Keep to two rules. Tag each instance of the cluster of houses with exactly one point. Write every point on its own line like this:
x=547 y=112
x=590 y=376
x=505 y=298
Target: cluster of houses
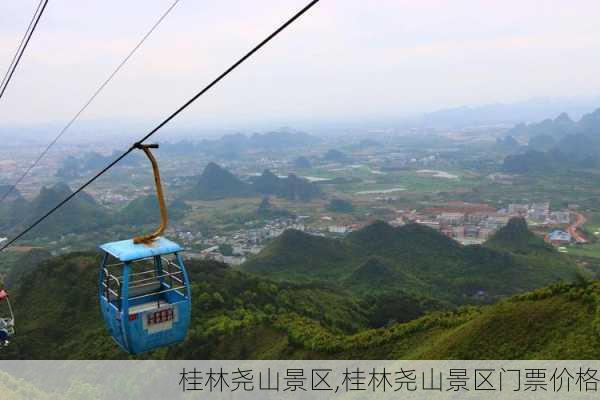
x=471 y=223
x=239 y=244
x=467 y=223
x=467 y=233
x=539 y=213
x=559 y=237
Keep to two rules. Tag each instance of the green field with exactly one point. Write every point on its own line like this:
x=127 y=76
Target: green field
x=411 y=181
x=571 y=187
x=587 y=250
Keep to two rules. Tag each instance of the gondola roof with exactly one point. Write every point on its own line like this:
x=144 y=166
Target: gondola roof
x=126 y=250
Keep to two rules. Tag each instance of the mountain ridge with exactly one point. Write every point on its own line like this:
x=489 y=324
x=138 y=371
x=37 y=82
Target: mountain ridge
x=240 y=316
x=430 y=263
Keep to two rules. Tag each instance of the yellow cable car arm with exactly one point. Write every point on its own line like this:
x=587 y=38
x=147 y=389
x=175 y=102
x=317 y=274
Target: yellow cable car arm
x=164 y=219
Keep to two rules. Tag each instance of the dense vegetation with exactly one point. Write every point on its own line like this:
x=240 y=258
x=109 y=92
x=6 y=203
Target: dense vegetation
x=340 y=205
x=418 y=261
x=302 y=162
x=59 y=317
x=516 y=238
x=144 y=210
x=237 y=315
x=81 y=214
x=266 y=210
x=337 y=156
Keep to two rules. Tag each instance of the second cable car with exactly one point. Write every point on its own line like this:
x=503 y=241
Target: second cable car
x=144 y=288
x=7 y=321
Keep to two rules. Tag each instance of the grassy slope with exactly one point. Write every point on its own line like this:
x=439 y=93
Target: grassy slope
x=561 y=322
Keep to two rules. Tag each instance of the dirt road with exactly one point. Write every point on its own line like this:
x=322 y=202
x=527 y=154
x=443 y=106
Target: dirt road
x=572 y=229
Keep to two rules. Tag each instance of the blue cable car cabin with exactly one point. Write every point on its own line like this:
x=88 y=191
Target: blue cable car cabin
x=144 y=295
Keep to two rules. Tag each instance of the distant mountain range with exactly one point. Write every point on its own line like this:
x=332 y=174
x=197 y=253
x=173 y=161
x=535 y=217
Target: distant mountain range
x=74 y=167
x=505 y=113
x=216 y=182
x=82 y=214
x=557 y=144
x=236 y=144
x=233 y=145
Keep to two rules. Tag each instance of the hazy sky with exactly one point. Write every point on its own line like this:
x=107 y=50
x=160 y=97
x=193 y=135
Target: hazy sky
x=344 y=59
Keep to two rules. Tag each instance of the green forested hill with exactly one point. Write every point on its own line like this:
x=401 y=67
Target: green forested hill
x=291 y=187
x=266 y=210
x=238 y=315
x=419 y=261
x=81 y=214
x=516 y=238
x=381 y=292
x=144 y=210
x=58 y=314
x=559 y=322
x=217 y=183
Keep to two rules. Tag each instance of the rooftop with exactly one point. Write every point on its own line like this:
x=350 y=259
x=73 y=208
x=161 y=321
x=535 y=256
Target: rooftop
x=560 y=235
x=126 y=250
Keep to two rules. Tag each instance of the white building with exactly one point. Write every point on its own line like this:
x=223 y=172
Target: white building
x=432 y=224
x=451 y=218
x=518 y=209
x=338 y=229
x=231 y=260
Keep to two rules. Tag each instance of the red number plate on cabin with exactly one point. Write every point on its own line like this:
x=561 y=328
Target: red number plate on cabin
x=158 y=317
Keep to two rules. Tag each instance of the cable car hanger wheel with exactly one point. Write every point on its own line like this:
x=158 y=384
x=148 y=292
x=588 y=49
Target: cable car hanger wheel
x=145 y=297
x=164 y=218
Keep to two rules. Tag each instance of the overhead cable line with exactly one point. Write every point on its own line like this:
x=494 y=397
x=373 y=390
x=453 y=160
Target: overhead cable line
x=25 y=36
x=164 y=122
x=22 y=46
x=86 y=104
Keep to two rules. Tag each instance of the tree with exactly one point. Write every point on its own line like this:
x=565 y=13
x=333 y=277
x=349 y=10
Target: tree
x=340 y=206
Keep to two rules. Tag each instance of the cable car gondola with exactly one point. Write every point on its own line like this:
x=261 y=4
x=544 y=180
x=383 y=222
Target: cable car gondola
x=7 y=321
x=144 y=289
